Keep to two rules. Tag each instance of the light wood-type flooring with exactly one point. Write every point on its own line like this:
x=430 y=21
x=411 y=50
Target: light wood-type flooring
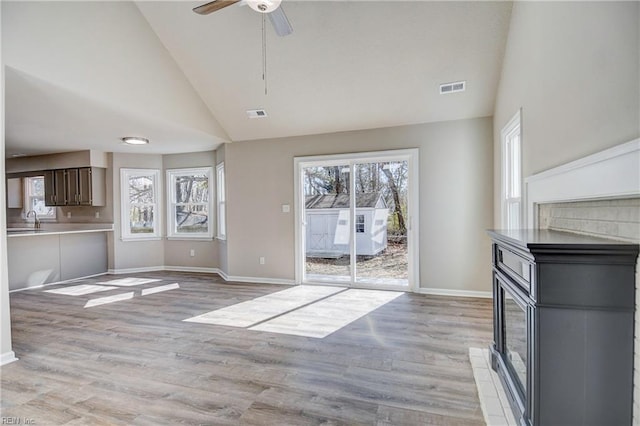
x=136 y=362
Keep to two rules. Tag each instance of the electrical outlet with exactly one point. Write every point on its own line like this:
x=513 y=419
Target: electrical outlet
x=68 y=215
x=262 y=260
x=286 y=208
x=97 y=215
x=192 y=252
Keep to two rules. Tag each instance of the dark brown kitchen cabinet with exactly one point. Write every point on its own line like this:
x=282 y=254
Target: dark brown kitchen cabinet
x=83 y=186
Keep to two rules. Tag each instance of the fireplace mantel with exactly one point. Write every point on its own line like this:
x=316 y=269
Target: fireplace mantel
x=612 y=173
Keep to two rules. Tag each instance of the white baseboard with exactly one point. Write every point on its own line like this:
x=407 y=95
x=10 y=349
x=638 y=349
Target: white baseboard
x=223 y=274
x=7 y=358
x=57 y=282
x=257 y=280
x=198 y=269
x=135 y=270
x=455 y=293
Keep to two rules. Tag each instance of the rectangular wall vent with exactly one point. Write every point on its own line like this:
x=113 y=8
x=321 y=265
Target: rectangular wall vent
x=256 y=113
x=457 y=86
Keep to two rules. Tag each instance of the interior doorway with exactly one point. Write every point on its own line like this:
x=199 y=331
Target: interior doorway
x=356 y=219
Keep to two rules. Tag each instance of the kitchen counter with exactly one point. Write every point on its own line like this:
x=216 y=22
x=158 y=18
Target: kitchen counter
x=56 y=252
x=20 y=230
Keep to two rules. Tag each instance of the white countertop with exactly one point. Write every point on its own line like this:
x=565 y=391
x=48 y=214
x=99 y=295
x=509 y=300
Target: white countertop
x=24 y=230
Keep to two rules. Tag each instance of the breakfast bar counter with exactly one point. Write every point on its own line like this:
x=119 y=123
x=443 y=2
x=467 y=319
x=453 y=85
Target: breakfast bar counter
x=55 y=252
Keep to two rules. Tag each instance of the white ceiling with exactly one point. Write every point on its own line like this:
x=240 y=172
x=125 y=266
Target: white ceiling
x=42 y=118
x=348 y=65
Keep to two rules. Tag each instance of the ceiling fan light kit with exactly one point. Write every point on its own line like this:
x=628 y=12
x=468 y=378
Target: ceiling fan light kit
x=264 y=6
x=272 y=8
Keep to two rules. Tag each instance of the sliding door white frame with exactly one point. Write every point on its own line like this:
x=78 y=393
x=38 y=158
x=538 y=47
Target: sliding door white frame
x=350 y=160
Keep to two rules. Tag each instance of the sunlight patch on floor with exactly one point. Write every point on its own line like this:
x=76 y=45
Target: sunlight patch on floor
x=310 y=311
x=159 y=289
x=80 y=290
x=251 y=312
x=109 y=299
x=329 y=315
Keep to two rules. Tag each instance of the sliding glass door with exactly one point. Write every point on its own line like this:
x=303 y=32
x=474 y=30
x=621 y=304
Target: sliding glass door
x=327 y=221
x=355 y=219
x=381 y=223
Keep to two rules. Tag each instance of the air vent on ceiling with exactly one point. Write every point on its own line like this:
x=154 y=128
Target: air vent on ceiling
x=454 y=87
x=256 y=113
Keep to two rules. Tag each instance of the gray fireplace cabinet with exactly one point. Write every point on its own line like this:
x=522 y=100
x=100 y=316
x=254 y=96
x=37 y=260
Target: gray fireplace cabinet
x=563 y=326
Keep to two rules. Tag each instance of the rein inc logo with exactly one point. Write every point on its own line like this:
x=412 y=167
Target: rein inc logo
x=16 y=421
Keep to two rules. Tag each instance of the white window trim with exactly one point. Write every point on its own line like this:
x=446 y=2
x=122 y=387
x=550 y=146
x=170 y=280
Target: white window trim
x=221 y=202
x=512 y=125
x=171 y=234
x=125 y=205
x=26 y=202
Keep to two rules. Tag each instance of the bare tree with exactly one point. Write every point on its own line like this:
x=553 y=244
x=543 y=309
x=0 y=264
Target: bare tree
x=396 y=200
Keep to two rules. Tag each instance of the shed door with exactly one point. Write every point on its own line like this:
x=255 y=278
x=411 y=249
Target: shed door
x=319 y=238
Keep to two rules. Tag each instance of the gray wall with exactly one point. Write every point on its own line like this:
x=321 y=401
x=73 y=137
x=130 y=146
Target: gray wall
x=573 y=68
x=133 y=254
x=161 y=252
x=5 y=314
x=456 y=189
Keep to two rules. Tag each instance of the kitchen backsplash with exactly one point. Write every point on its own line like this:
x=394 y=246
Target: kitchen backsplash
x=78 y=215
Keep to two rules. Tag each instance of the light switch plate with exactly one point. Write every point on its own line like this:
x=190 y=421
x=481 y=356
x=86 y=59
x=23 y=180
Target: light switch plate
x=286 y=208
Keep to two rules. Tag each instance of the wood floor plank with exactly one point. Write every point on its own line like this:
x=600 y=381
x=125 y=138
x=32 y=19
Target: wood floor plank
x=136 y=362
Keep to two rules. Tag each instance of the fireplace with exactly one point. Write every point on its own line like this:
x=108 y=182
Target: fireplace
x=597 y=196
x=511 y=339
x=563 y=326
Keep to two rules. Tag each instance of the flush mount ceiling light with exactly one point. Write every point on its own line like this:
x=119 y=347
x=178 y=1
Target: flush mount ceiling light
x=264 y=6
x=134 y=140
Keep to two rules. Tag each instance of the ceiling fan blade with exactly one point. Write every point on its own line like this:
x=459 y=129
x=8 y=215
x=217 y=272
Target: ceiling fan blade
x=212 y=6
x=280 y=22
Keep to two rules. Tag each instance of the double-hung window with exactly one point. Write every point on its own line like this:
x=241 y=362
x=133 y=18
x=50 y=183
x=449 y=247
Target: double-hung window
x=140 y=199
x=511 y=137
x=190 y=194
x=34 y=198
x=222 y=202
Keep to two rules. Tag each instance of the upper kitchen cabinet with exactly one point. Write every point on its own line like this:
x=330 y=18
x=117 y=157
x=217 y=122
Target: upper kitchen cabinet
x=83 y=186
x=14 y=193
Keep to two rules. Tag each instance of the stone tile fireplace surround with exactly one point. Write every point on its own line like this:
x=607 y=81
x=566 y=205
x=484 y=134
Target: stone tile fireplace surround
x=598 y=195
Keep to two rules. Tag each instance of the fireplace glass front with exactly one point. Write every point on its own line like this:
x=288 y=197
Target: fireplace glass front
x=515 y=337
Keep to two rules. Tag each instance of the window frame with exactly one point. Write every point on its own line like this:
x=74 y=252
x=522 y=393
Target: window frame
x=172 y=234
x=125 y=203
x=221 y=202
x=358 y=223
x=26 y=204
x=511 y=192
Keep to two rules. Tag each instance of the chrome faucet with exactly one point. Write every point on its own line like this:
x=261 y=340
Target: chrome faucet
x=36 y=221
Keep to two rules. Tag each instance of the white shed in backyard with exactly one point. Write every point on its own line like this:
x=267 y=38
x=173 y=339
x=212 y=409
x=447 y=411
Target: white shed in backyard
x=327 y=219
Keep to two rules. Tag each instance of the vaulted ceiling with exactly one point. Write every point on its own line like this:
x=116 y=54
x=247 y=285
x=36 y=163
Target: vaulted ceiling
x=157 y=69
x=348 y=64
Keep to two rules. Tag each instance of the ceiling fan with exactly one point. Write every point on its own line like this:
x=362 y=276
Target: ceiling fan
x=271 y=8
